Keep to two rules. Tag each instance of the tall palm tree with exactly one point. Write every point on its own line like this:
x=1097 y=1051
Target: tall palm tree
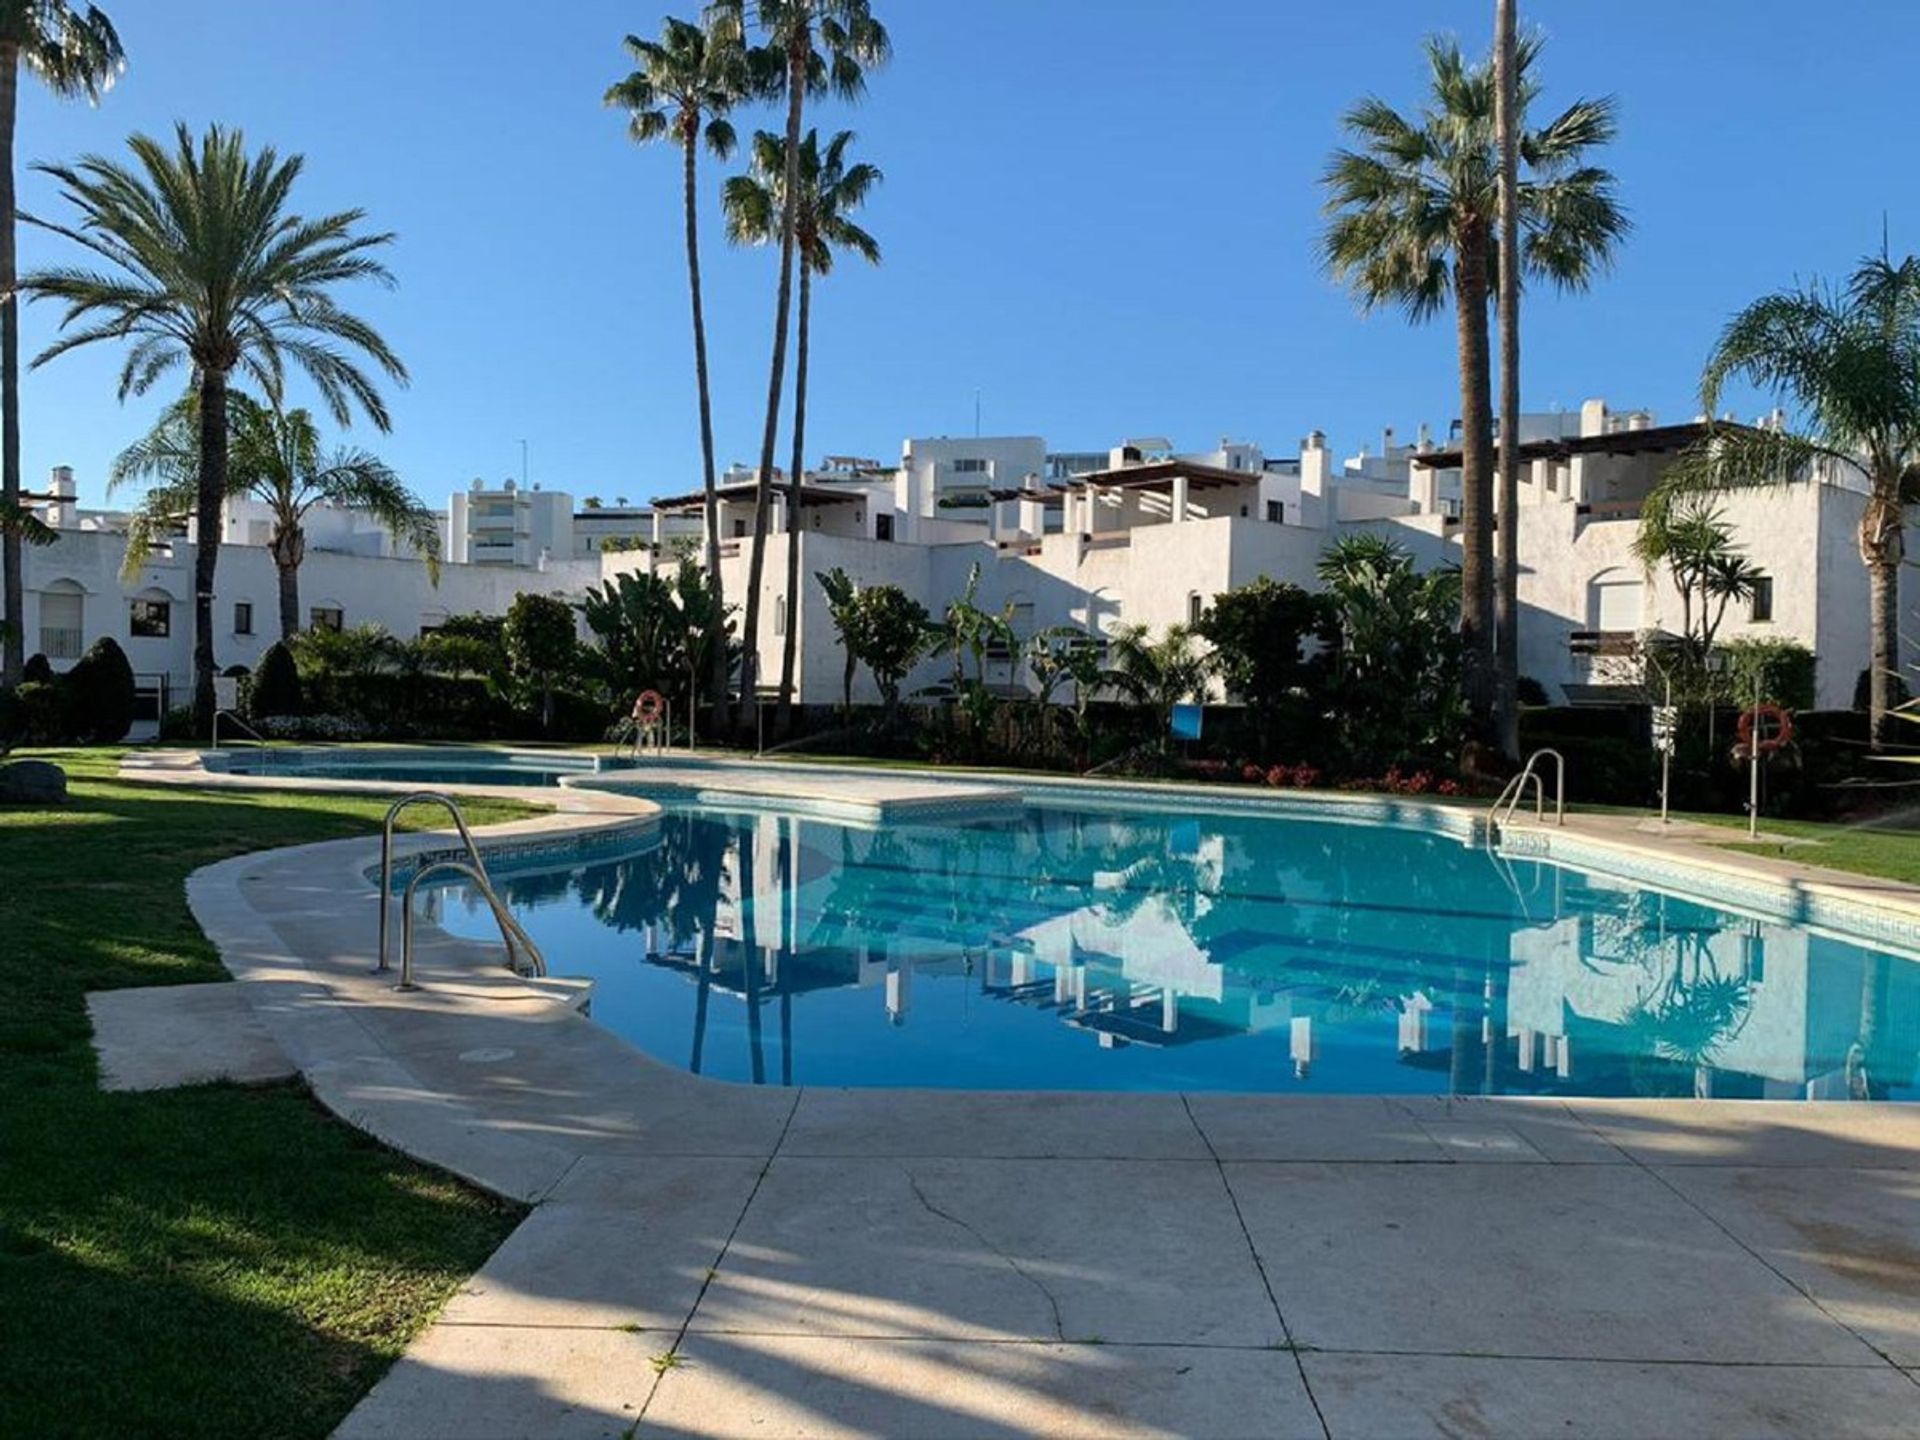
x=813 y=47
x=1506 y=52
x=205 y=266
x=274 y=457
x=684 y=86
x=1413 y=213
x=1848 y=360
x=74 y=51
x=829 y=191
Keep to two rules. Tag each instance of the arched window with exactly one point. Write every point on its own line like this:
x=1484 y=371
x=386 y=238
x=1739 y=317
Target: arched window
x=1614 y=601
x=150 y=615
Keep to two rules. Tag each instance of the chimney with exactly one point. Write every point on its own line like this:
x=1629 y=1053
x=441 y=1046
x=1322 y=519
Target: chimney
x=1386 y=441
x=1424 y=442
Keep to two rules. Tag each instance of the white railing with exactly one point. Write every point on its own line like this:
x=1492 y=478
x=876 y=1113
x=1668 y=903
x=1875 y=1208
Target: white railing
x=1527 y=780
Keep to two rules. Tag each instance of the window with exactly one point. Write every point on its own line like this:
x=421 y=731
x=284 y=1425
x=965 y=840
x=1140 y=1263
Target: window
x=1276 y=512
x=883 y=527
x=969 y=465
x=243 y=617
x=1196 y=607
x=62 y=621
x=326 y=617
x=150 y=619
x=1762 y=599
x=779 y=614
x=739 y=529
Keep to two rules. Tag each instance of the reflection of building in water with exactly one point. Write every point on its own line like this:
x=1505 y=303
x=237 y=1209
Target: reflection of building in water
x=1757 y=1009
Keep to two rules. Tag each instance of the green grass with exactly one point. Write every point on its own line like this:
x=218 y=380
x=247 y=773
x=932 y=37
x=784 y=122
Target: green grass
x=212 y=1261
x=1878 y=848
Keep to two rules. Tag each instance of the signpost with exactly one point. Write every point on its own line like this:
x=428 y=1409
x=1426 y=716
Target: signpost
x=1666 y=721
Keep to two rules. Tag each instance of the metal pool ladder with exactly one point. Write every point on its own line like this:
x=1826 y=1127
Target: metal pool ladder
x=1516 y=789
x=519 y=944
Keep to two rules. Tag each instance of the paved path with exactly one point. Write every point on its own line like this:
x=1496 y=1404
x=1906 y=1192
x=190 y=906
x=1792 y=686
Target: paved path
x=708 y=1259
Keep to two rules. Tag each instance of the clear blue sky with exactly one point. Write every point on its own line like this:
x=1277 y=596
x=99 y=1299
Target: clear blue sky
x=1099 y=213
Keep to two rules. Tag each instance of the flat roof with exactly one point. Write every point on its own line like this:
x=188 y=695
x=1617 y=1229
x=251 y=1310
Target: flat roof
x=1160 y=474
x=741 y=489
x=1651 y=440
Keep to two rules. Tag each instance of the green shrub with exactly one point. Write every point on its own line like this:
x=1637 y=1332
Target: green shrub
x=276 y=684
x=1863 y=691
x=39 y=713
x=177 y=724
x=1532 y=692
x=38 y=670
x=100 y=693
x=1784 y=670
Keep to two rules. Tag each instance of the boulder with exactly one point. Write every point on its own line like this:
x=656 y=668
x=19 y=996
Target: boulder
x=32 y=782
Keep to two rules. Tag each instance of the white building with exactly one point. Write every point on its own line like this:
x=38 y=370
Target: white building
x=1092 y=539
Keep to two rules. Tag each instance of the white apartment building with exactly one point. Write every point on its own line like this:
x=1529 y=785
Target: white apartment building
x=1151 y=535
x=1137 y=533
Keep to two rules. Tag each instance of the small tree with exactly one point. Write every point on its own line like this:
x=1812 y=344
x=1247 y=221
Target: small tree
x=541 y=645
x=1159 y=674
x=100 y=693
x=1259 y=633
x=892 y=633
x=843 y=606
x=276 y=683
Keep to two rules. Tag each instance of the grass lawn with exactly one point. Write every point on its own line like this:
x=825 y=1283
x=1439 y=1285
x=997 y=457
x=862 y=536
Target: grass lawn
x=214 y=1261
x=1878 y=848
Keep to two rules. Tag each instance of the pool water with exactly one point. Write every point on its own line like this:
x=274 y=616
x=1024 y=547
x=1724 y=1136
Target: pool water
x=1053 y=948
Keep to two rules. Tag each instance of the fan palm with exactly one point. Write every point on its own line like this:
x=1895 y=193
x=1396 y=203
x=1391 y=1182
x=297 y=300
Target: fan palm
x=814 y=46
x=206 y=266
x=684 y=85
x=274 y=457
x=829 y=190
x=1413 y=211
x=74 y=51
x=1848 y=360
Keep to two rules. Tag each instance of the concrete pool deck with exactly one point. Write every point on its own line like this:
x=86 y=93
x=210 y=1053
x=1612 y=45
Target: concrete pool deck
x=712 y=1259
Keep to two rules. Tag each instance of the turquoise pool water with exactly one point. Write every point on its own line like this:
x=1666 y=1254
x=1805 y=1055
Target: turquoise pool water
x=1055 y=948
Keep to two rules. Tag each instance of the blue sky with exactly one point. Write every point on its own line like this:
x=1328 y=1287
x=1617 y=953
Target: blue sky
x=1099 y=214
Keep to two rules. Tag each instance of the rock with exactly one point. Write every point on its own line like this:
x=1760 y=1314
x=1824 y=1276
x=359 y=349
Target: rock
x=32 y=782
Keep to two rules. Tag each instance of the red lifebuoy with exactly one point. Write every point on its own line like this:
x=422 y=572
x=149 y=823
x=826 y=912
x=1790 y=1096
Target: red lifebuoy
x=649 y=707
x=1764 y=741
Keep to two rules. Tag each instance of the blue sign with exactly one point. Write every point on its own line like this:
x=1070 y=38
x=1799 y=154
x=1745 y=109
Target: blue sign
x=1186 y=721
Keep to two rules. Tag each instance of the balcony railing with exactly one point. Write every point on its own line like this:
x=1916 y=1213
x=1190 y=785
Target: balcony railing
x=62 y=642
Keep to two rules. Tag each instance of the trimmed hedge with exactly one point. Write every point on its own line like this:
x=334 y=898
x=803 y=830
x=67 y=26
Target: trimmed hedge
x=276 y=684
x=100 y=693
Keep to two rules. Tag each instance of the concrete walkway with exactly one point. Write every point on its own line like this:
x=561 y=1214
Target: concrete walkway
x=708 y=1259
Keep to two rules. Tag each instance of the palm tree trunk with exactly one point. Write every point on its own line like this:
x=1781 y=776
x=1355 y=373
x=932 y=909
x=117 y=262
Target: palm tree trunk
x=206 y=548
x=1508 y=604
x=1476 y=482
x=289 y=548
x=797 y=51
x=717 y=682
x=13 y=614
x=790 y=641
x=1881 y=543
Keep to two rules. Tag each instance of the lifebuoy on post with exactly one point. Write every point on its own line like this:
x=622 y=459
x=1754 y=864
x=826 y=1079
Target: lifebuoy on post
x=648 y=709
x=1765 y=729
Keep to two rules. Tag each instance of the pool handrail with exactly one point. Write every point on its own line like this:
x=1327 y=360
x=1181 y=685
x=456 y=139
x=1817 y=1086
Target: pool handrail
x=422 y=797
x=511 y=931
x=1515 y=790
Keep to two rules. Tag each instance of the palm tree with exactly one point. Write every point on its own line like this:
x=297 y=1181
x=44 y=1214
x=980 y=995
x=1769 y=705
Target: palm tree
x=275 y=458
x=685 y=84
x=1506 y=51
x=1160 y=673
x=1413 y=223
x=74 y=51
x=829 y=191
x=1848 y=360
x=205 y=266
x=813 y=46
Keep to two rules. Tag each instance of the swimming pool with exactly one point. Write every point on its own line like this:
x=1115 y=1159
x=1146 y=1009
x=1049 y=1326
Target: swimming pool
x=455 y=765
x=1072 y=945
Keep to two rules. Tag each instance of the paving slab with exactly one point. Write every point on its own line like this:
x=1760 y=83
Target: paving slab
x=1368 y=1128
x=152 y=1037
x=1849 y=1238
x=1565 y=1261
x=829 y=1389
x=1075 y=1250
x=1413 y=1397
x=501 y=1382
x=1827 y=1134
x=618 y=1246
x=1009 y=1125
